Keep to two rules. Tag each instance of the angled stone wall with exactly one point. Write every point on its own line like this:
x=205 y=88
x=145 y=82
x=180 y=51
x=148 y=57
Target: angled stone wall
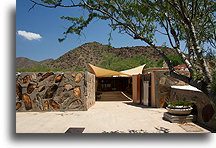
x=160 y=86
x=49 y=91
x=204 y=109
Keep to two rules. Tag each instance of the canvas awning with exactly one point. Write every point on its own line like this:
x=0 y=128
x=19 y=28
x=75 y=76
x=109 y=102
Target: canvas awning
x=102 y=72
x=134 y=71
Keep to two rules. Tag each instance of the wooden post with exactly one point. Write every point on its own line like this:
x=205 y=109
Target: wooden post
x=136 y=88
x=153 y=99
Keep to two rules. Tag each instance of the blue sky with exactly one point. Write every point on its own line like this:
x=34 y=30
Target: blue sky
x=46 y=24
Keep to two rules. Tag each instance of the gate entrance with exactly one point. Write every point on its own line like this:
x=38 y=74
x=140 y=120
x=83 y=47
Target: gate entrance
x=113 y=89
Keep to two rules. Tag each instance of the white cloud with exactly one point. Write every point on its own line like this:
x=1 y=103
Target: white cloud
x=29 y=35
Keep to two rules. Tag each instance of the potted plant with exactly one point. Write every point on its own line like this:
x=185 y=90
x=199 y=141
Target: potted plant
x=179 y=107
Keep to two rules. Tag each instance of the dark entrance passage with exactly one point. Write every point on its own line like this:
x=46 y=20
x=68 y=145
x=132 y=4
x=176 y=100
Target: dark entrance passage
x=113 y=89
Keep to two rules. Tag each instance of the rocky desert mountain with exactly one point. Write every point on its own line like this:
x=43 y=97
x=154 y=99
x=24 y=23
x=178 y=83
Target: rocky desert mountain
x=93 y=53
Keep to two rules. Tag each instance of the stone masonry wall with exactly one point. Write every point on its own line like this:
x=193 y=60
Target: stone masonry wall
x=54 y=91
x=204 y=109
x=160 y=86
x=161 y=92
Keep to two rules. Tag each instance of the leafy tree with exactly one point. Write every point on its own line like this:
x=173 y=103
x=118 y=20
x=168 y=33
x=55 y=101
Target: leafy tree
x=190 y=22
x=176 y=60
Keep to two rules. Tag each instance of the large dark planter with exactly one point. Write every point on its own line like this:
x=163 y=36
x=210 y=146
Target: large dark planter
x=179 y=110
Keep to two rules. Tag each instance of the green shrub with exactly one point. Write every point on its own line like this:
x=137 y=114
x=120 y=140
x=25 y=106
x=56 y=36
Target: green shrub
x=112 y=62
x=180 y=103
x=39 y=69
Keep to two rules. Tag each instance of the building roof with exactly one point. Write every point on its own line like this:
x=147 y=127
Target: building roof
x=179 y=67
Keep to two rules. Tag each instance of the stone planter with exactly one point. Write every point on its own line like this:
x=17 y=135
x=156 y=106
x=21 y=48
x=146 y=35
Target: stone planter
x=179 y=110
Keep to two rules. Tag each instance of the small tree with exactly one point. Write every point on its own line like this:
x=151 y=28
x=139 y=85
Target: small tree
x=182 y=21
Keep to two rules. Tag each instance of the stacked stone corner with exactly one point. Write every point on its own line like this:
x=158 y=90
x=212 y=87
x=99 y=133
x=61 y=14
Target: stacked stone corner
x=53 y=91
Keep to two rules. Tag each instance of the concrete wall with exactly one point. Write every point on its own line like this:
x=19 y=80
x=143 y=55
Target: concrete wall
x=204 y=109
x=48 y=91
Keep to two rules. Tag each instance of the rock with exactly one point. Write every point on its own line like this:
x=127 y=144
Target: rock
x=39 y=100
x=38 y=97
x=64 y=97
x=50 y=91
x=33 y=77
x=52 y=78
x=77 y=92
x=26 y=79
x=18 y=91
x=39 y=74
x=61 y=100
x=18 y=105
x=162 y=80
x=59 y=91
x=54 y=104
x=164 y=89
x=41 y=88
x=75 y=104
x=171 y=81
x=73 y=74
x=35 y=101
x=31 y=86
x=207 y=112
x=68 y=87
x=46 y=106
x=27 y=101
x=46 y=75
x=58 y=78
x=163 y=100
x=78 y=77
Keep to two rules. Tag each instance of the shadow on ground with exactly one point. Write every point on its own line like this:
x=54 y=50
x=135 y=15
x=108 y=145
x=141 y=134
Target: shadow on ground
x=129 y=132
x=141 y=131
x=137 y=105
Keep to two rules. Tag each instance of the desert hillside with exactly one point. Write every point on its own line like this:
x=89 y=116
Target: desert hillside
x=94 y=53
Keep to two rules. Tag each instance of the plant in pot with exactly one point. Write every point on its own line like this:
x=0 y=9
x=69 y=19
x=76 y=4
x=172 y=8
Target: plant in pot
x=179 y=107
